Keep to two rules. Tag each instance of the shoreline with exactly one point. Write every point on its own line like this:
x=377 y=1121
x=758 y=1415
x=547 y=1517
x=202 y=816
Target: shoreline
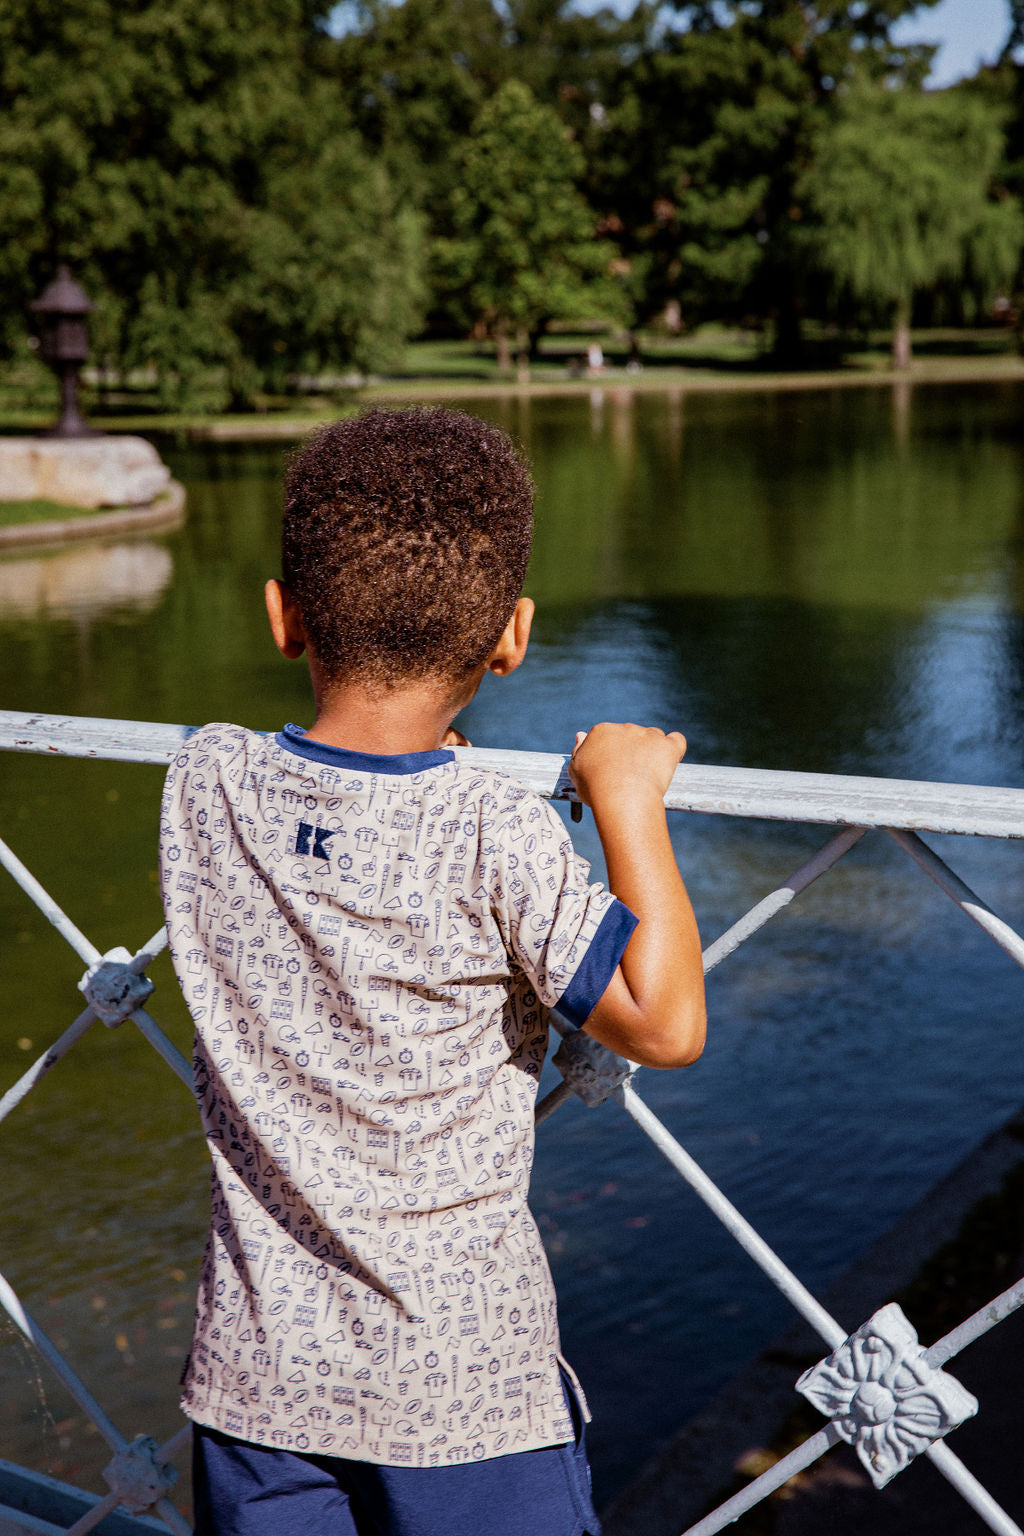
x=617 y=386
x=165 y=512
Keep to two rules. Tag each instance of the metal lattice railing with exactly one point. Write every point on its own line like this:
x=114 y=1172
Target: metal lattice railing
x=879 y=1389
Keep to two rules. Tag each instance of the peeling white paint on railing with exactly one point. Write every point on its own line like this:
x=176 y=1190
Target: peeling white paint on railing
x=996 y=1311
x=849 y=1383
x=833 y=799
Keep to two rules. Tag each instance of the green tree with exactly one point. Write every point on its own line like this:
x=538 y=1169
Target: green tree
x=417 y=73
x=1015 y=36
x=199 y=172
x=903 y=190
x=522 y=246
x=709 y=131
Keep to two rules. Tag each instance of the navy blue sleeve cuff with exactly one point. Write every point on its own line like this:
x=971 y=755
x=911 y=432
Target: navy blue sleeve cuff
x=598 y=965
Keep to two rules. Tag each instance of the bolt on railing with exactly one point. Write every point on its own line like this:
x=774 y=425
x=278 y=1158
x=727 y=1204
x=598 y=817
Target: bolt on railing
x=881 y=1391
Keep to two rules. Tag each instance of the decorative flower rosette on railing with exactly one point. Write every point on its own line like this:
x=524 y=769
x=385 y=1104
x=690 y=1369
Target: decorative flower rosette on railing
x=883 y=1396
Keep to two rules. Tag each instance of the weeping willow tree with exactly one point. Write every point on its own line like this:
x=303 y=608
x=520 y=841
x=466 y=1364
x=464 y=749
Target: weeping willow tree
x=904 y=195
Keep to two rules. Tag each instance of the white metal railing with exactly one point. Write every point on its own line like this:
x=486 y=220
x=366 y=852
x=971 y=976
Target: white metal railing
x=878 y=1388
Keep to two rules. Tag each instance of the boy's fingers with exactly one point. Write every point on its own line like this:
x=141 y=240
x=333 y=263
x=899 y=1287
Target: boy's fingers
x=650 y=732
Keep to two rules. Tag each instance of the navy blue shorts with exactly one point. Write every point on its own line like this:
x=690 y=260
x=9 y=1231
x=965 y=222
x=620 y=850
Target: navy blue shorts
x=250 y=1490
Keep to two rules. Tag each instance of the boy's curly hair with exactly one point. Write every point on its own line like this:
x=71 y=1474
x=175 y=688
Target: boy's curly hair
x=405 y=543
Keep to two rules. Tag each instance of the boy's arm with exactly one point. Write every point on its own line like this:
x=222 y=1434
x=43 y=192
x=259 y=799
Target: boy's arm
x=653 y=1008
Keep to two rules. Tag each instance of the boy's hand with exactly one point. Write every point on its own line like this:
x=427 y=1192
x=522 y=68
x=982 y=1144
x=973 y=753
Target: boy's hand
x=630 y=759
x=454 y=738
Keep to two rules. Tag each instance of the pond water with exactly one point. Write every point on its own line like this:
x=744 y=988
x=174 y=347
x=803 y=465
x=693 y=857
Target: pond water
x=827 y=581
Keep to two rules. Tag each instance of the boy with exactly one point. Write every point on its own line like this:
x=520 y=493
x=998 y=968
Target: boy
x=369 y=935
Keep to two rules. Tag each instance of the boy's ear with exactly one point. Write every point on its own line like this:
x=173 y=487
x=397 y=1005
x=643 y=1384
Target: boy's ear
x=511 y=648
x=285 y=620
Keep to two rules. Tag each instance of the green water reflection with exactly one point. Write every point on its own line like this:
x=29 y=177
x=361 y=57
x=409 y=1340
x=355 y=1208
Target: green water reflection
x=821 y=581
x=828 y=499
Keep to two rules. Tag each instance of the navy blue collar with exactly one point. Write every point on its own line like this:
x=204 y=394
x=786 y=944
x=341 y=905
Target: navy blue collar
x=294 y=739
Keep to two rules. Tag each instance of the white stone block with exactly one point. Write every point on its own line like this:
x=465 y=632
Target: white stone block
x=81 y=472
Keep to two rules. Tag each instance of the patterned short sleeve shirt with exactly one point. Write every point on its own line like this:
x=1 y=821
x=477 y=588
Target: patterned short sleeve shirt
x=369 y=947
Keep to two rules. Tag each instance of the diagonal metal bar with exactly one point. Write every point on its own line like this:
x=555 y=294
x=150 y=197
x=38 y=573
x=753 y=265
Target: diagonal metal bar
x=559 y=1095
x=977 y=910
x=177 y=1522
x=812 y=1449
x=85 y=1400
x=106 y=1506
x=946 y=1462
x=776 y=901
x=48 y=907
x=811 y=1309
x=110 y=1501
x=39 y=1068
x=749 y=1240
x=93 y=1516
x=149 y=951
x=167 y=1049
x=819 y=864
x=53 y=1357
x=1003 y=1305
x=83 y=947
x=798 y=1460
x=176 y=1444
x=968 y=1487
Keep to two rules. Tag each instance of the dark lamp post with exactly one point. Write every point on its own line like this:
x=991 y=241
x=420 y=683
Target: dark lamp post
x=64 y=344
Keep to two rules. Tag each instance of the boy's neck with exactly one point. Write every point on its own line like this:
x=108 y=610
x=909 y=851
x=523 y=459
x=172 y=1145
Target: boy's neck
x=413 y=718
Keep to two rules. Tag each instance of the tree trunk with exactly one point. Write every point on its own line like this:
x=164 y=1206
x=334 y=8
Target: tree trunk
x=502 y=350
x=522 y=356
x=789 y=336
x=901 y=354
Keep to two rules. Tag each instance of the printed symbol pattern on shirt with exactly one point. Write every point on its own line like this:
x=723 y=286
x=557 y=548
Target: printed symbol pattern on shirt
x=368 y=958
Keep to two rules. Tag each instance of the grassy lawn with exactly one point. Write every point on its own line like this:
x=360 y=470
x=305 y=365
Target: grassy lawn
x=13 y=513
x=709 y=357
x=712 y=346
x=708 y=348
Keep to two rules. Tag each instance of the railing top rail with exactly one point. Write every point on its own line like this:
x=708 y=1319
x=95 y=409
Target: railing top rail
x=833 y=799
